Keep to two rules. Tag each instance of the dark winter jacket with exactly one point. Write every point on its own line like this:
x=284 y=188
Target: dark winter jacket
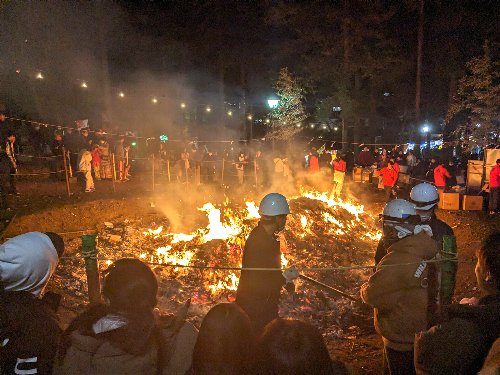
x=468 y=333
x=262 y=250
x=104 y=342
x=29 y=334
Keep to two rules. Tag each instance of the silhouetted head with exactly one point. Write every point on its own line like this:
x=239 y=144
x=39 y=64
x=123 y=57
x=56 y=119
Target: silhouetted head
x=224 y=341
x=130 y=285
x=289 y=347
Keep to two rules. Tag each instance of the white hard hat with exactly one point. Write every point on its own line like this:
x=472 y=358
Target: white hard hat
x=399 y=210
x=424 y=196
x=274 y=204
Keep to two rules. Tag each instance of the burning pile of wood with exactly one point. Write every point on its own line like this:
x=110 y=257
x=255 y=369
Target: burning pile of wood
x=320 y=233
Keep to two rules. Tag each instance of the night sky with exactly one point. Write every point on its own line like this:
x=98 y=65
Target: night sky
x=226 y=55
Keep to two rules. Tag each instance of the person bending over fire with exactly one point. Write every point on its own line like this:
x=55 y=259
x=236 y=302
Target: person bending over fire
x=259 y=291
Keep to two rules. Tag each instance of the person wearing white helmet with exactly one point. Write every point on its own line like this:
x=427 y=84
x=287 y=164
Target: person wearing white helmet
x=400 y=291
x=259 y=291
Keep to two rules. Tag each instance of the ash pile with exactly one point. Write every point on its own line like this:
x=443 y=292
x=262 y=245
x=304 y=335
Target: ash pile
x=320 y=234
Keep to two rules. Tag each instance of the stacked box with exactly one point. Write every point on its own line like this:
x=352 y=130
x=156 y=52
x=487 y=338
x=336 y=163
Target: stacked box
x=356 y=174
x=472 y=203
x=449 y=201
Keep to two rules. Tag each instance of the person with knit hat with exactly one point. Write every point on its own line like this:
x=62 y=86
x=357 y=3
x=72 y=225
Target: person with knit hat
x=29 y=329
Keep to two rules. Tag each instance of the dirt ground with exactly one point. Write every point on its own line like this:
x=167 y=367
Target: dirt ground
x=45 y=206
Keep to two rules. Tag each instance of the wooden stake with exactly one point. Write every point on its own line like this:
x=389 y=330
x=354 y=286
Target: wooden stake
x=168 y=170
x=222 y=176
x=153 y=168
x=255 y=171
x=89 y=253
x=66 y=172
x=114 y=172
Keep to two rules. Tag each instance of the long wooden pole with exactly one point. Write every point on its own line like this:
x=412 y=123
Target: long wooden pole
x=65 y=172
x=328 y=287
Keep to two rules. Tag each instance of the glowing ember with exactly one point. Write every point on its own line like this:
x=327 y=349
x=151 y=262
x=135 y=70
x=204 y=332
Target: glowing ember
x=253 y=211
x=354 y=209
x=216 y=229
x=154 y=232
x=166 y=255
x=181 y=237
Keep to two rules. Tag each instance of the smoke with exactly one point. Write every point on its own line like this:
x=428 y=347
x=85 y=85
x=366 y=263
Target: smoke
x=105 y=45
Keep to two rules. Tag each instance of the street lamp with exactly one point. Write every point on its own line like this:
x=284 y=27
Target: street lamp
x=426 y=129
x=272 y=103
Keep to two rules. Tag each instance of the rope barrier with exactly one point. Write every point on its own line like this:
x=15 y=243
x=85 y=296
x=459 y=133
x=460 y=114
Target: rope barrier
x=306 y=269
x=36 y=174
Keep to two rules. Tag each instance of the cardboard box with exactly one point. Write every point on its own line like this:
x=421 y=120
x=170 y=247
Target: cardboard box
x=450 y=201
x=365 y=177
x=472 y=203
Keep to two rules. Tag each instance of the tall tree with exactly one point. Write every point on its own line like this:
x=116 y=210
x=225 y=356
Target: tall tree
x=478 y=98
x=286 y=118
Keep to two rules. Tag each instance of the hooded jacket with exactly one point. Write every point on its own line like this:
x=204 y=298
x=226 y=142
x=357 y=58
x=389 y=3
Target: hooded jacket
x=399 y=294
x=29 y=330
x=27 y=262
x=104 y=342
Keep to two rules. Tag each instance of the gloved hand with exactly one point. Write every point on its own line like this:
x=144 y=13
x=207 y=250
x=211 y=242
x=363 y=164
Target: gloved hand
x=291 y=274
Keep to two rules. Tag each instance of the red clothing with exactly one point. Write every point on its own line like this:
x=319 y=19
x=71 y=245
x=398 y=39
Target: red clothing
x=389 y=176
x=440 y=175
x=339 y=165
x=313 y=163
x=96 y=157
x=365 y=158
x=396 y=167
x=495 y=176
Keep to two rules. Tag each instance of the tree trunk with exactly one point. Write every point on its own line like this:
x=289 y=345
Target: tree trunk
x=418 y=82
x=107 y=115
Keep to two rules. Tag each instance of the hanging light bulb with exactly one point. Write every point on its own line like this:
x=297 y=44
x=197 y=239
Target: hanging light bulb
x=39 y=75
x=183 y=105
x=84 y=84
x=154 y=100
x=121 y=94
x=208 y=109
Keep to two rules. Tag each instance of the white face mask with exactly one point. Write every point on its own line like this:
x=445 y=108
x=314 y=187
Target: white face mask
x=425 y=215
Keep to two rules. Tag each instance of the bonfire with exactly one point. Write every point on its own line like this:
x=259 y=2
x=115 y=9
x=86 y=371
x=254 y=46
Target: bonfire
x=203 y=265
